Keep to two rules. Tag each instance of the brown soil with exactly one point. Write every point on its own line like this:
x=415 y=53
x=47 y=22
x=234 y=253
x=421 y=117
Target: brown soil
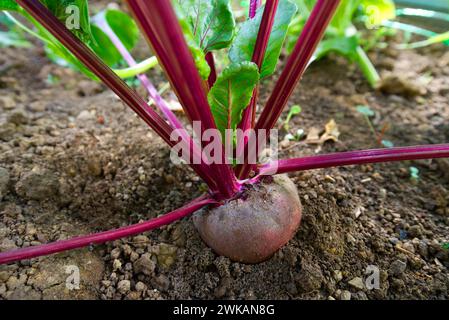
x=79 y=161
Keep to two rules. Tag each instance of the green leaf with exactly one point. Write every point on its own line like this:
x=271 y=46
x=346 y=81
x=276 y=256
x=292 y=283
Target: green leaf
x=104 y=47
x=211 y=22
x=74 y=14
x=232 y=93
x=243 y=46
x=294 y=110
x=377 y=11
x=123 y=26
x=8 y=5
x=8 y=39
x=345 y=46
x=343 y=16
x=197 y=53
x=365 y=110
x=387 y=143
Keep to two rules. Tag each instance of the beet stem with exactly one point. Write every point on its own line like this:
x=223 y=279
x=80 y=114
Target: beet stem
x=263 y=37
x=159 y=24
x=105 y=236
x=356 y=158
x=102 y=71
x=296 y=65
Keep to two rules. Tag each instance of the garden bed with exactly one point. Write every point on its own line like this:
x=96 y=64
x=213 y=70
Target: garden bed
x=76 y=160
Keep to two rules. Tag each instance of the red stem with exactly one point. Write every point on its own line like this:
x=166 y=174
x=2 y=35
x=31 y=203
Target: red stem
x=305 y=47
x=159 y=23
x=357 y=157
x=102 y=71
x=106 y=236
x=260 y=48
x=213 y=71
x=253 y=6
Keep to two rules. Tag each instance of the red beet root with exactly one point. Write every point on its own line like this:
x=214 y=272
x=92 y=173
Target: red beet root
x=251 y=229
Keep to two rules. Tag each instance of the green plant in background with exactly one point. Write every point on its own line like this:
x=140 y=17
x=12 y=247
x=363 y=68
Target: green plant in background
x=294 y=110
x=342 y=37
x=86 y=30
x=414 y=174
x=368 y=113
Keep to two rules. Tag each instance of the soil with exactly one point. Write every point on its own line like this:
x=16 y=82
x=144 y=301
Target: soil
x=75 y=160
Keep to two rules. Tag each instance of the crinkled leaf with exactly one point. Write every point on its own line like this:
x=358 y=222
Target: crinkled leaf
x=74 y=14
x=243 y=45
x=197 y=53
x=211 y=22
x=8 y=5
x=232 y=93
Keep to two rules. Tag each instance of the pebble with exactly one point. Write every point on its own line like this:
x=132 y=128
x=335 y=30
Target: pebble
x=145 y=265
x=423 y=249
x=115 y=253
x=7 y=131
x=345 y=295
x=357 y=283
x=116 y=265
x=124 y=286
x=85 y=115
x=161 y=282
x=7 y=102
x=338 y=275
x=140 y=286
x=409 y=247
x=397 y=268
x=37 y=185
x=18 y=117
x=141 y=241
x=4 y=182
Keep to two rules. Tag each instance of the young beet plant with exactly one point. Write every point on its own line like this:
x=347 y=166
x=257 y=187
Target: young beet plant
x=246 y=215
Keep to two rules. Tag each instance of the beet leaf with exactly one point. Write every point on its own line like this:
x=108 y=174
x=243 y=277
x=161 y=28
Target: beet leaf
x=242 y=48
x=211 y=22
x=231 y=94
x=9 y=5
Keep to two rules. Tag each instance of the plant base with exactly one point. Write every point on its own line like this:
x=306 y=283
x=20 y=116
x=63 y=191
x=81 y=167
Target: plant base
x=252 y=228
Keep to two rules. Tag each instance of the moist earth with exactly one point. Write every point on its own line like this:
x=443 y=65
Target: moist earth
x=75 y=160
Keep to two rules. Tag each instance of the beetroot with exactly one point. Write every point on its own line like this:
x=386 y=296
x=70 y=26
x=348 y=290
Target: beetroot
x=252 y=228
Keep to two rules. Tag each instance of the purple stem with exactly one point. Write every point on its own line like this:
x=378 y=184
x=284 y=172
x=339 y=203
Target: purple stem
x=106 y=236
x=247 y=117
x=159 y=24
x=305 y=47
x=153 y=93
x=213 y=71
x=158 y=100
x=263 y=37
x=104 y=73
x=253 y=6
x=357 y=157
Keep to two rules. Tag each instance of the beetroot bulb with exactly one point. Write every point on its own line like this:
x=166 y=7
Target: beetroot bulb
x=253 y=227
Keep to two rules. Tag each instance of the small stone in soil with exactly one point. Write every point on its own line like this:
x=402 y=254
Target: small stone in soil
x=357 y=283
x=397 y=268
x=345 y=295
x=37 y=185
x=4 y=182
x=124 y=286
x=145 y=265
